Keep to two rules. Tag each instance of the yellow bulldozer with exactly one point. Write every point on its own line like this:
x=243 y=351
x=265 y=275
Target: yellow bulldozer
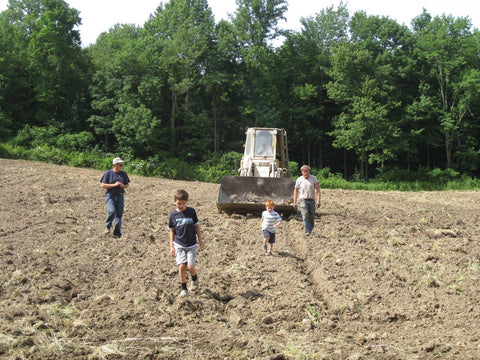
x=262 y=175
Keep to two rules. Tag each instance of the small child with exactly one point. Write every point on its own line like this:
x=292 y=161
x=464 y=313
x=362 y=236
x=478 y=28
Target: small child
x=271 y=220
x=184 y=231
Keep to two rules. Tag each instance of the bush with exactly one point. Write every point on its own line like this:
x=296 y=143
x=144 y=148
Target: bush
x=329 y=180
x=86 y=160
x=47 y=154
x=443 y=176
x=76 y=142
x=35 y=136
x=149 y=167
x=397 y=175
x=7 y=151
x=293 y=170
x=216 y=167
x=175 y=169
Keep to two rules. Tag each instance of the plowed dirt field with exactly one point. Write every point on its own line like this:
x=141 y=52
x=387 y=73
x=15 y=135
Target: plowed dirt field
x=385 y=275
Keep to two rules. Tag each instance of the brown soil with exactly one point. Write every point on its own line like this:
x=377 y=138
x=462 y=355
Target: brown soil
x=385 y=275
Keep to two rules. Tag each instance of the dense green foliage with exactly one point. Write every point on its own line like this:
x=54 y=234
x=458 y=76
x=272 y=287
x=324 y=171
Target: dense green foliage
x=360 y=96
x=215 y=167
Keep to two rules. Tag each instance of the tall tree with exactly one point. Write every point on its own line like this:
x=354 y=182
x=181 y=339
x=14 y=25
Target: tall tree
x=448 y=53
x=365 y=74
x=47 y=73
x=222 y=82
x=185 y=29
x=256 y=26
x=303 y=61
x=126 y=93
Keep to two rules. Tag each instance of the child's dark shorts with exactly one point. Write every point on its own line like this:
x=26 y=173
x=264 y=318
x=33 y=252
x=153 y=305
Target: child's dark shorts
x=269 y=234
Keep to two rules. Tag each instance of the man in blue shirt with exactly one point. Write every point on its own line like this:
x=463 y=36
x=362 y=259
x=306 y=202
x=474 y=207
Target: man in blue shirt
x=115 y=181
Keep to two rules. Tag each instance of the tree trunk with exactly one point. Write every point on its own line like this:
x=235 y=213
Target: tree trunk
x=448 y=149
x=308 y=152
x=173 y=139
x=215 y=131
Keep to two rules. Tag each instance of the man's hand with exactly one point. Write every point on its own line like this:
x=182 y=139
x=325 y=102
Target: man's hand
x=317 y=205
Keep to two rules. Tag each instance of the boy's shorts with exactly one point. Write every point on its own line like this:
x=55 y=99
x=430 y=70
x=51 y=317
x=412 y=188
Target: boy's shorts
x=185 y=254
x=268 y=234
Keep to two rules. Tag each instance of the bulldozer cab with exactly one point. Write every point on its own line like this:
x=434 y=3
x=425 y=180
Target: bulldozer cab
x=265 y=142
x=265 y=153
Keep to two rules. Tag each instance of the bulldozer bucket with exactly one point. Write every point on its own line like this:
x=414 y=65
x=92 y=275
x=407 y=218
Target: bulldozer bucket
x=241 y=194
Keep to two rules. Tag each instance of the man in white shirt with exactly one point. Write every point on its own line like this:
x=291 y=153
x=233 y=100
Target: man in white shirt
x=306 y=190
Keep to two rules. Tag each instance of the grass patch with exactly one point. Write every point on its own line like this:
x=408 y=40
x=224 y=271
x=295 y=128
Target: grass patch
x=296 y=352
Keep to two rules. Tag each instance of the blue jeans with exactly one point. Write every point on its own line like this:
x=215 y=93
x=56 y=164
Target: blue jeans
x=115 y=204
x=307 y=208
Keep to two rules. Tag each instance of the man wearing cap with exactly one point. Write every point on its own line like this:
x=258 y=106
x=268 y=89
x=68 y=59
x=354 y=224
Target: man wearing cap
x=115 y=181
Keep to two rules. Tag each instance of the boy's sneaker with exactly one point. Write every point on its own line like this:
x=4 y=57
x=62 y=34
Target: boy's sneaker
x=269 y=253
x=194 y=285
x=183 y=293
x=107 y=231
x=265 y=247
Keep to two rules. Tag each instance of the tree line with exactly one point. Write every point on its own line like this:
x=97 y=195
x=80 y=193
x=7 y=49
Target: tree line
x=358 y=94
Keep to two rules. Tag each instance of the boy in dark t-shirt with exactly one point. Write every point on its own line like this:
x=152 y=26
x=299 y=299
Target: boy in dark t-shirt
x=184 y=231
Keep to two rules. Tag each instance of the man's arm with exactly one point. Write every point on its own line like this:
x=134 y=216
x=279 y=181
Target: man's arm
x=317 y=188
x=110 y=186
x=295 y=195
